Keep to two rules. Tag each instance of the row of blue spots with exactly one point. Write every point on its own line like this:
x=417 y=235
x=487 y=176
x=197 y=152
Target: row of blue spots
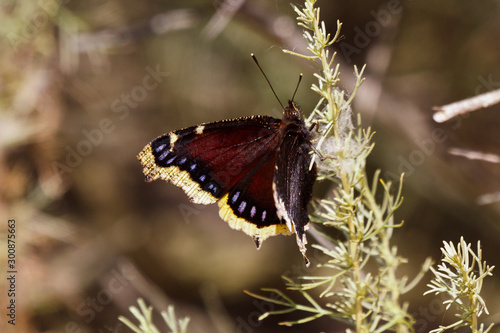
x=202 y=178
x=243 y=205
x=211 y=187
x=166 y=153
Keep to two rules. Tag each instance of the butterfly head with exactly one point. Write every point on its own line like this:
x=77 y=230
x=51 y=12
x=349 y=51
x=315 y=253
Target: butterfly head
x=292 y=111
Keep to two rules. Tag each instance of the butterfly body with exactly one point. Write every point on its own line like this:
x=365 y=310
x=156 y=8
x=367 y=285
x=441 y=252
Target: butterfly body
x=256 y=168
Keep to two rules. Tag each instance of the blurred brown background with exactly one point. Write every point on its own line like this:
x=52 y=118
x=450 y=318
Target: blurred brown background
x=86 y=85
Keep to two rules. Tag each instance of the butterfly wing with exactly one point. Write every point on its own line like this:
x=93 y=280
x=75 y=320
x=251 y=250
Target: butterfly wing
x=249 y=206
x=208 y=159
x=231 y=162
x=293 y=181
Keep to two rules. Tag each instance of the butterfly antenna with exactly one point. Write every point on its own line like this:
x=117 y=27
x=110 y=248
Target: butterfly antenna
x=297 y=87
x=255 y=59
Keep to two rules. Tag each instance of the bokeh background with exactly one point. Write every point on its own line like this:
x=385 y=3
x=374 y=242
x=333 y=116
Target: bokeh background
x=85 y=85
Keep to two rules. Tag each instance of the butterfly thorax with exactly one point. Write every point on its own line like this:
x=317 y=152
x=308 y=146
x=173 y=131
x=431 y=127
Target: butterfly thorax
x=292 y=122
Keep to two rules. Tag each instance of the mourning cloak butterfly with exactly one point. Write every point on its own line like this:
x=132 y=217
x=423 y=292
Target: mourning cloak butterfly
x=257 y=169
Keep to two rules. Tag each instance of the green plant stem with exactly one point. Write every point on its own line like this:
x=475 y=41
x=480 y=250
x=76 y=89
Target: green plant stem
x=473 y=320
x=353 y=248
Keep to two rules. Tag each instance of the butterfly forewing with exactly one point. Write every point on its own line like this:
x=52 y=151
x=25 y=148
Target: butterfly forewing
x=206 y=160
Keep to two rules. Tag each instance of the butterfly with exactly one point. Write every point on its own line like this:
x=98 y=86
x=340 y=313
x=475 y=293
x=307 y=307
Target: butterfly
x=256 y=168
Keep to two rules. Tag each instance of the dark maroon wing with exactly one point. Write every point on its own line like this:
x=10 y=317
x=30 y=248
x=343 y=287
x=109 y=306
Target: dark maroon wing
x=208 y=159
x=249 y=205
x=232 y=162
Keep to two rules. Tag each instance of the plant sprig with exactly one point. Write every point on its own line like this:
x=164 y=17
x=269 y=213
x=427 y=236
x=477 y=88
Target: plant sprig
x=144 y=315
x=460 y=276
